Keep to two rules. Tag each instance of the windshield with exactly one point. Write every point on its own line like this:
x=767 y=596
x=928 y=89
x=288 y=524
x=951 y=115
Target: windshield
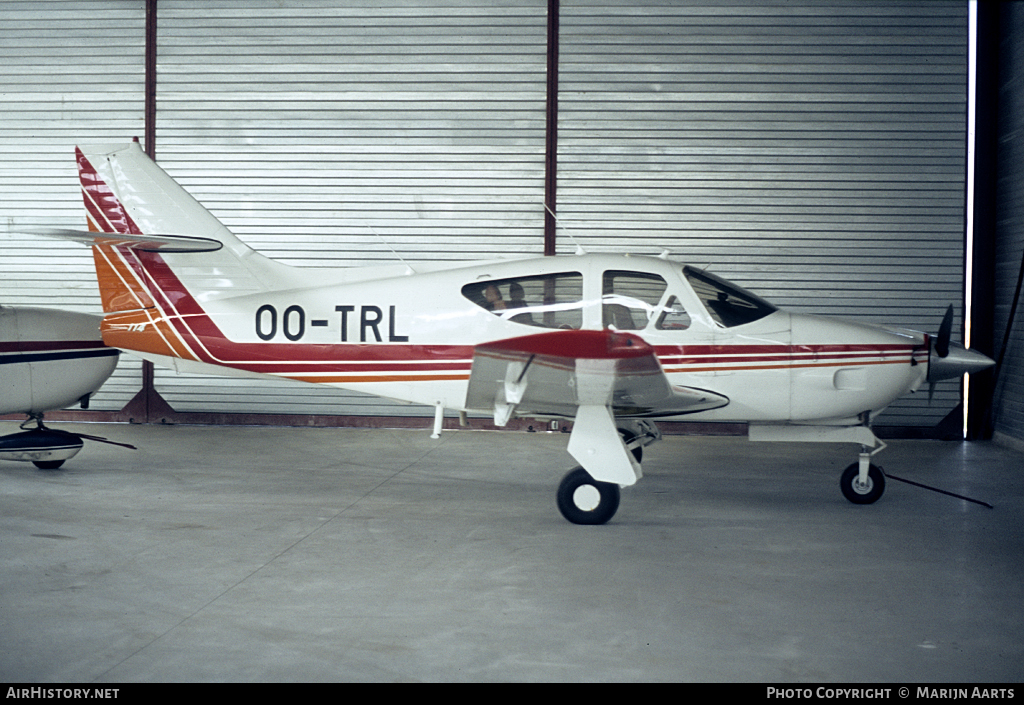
x=728 y=304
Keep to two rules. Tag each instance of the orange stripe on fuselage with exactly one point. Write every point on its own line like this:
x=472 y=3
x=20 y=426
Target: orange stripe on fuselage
x=133 y=322
x=143 y=331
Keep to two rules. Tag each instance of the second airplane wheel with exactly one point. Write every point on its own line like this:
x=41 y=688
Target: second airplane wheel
x=584 y=500
x=867 y=493
x=47 y=464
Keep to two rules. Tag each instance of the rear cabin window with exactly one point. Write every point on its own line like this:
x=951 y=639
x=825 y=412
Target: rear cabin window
x=545 y=301
x=728 y=304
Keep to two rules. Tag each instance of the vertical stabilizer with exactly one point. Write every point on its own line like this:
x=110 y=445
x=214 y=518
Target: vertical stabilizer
x=125 y=192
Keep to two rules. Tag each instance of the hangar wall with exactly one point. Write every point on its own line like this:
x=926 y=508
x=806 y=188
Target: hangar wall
x=1008 y=403
x=332 y=133
x=69 y=72
x=813 y=152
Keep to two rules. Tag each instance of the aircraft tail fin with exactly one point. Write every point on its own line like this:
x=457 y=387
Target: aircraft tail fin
x=126 y=193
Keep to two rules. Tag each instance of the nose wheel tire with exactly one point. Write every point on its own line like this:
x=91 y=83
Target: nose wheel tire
x=584 y=500
x=866 y=493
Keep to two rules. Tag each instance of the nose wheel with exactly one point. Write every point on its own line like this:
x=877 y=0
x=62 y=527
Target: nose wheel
x=866 y=492
x=584 y=500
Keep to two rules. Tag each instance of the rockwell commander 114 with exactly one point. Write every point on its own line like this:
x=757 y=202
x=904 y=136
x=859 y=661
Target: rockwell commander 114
x=610 y=342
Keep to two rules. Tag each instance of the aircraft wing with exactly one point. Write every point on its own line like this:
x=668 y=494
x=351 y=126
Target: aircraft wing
x=590 y=375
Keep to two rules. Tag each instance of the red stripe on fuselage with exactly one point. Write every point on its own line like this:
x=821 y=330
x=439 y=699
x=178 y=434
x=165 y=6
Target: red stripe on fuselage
x=50 y=345
x=734 y=358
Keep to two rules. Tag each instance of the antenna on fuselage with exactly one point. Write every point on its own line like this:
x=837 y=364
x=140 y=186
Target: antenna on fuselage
x=579 y=247
x=393 y=250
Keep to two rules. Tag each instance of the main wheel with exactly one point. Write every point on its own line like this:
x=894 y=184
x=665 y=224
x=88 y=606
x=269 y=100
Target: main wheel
x=584 y=500
x=867 y=493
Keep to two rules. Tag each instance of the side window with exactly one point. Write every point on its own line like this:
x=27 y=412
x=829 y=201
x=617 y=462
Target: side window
x=629 y=299
x=547 y=301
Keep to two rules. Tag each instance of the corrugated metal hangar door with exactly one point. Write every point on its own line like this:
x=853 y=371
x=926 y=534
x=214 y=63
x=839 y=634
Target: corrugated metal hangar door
x=70 y=72
x=334 y=133
x=813 y=152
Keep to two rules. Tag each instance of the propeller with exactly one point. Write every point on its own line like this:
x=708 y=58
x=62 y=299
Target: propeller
x=947 y=360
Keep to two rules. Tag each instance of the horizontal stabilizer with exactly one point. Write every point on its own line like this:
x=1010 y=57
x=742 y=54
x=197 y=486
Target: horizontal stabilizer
x=143 y=243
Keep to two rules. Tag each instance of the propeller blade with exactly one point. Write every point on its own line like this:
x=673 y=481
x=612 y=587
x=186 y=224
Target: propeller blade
x=940 y=347
x=945 y=330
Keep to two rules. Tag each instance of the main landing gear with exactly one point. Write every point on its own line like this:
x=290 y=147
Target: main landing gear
x=583 y=500
x=46 y=448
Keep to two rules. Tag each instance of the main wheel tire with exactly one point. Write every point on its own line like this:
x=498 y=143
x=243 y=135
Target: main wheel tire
x=867 y=493
x=584 y=500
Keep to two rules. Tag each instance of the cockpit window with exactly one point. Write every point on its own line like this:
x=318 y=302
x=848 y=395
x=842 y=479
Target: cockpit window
x=728 y=304
x=629 y=299
x=547 y=301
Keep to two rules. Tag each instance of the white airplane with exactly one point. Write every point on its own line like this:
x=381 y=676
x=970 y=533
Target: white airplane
x=49 y=360
x=608 y=341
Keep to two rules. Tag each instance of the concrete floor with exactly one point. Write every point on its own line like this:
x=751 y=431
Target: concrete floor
x=284 y=554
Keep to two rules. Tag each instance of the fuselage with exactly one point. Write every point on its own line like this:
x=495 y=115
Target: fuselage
x=410 y=336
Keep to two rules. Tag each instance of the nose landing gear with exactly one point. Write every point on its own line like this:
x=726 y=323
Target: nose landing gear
x=865 y=491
